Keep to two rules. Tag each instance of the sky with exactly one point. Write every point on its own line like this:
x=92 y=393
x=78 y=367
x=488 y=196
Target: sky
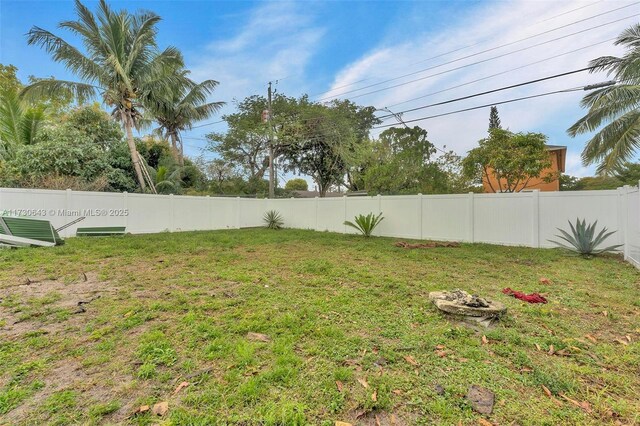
x=398 y=55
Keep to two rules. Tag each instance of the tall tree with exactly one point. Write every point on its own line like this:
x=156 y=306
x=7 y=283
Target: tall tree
x=494 y=119
x=403 y=164
x=618 y=105
x=177 y=110
x=511 y=159
x=122 y=64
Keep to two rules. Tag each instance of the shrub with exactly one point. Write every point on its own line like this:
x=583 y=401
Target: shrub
x=273 y=220
x=365 y=224
x=297 y=184
x=583 y=239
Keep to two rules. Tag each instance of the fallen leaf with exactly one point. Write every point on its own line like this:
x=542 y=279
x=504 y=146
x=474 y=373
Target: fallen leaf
x=483 y=422
x=161 y=408
x=552 y=350
x=544 y=280
x=485 y=341
x=258 y=337
x=397 y=391
x=550 y=395
x=628 y=338
x=394 y=420
x=140 y=410
x=584 y=405
x=538 y=347
x=339 y=423
x=526 y=370
x=374 y=396
x=591 y=338
x=377 y=420
x=442 y=354
x=440 y=347
x=605 y=313
x=180 y=387
x=411 y=360
x=339 y=385
x=622 y=342
x=364 y=383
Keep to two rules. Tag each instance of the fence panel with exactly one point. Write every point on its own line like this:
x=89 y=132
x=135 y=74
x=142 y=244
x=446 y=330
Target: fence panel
x=632 y=232
x=528 y=219
x=445 y=217
x=503 y=219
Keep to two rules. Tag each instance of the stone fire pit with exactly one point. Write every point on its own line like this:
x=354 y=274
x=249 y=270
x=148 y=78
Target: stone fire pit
x=467 y=306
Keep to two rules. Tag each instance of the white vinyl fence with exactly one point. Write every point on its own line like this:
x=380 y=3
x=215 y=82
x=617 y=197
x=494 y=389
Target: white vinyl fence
x=525 y=219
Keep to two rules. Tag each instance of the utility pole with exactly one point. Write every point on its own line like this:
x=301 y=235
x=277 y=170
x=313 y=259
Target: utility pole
x=271 y=166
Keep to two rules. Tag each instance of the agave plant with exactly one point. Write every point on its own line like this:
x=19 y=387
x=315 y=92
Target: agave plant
x=583 y=239
x=365 y=224
x=273 y=220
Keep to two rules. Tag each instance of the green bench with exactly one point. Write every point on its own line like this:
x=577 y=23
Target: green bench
x=98 y=231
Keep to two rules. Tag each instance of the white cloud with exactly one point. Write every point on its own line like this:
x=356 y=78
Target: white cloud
x=274 y=41
x=493 y=24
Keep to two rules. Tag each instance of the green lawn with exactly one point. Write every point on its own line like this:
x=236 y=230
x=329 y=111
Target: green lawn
x=178 y=307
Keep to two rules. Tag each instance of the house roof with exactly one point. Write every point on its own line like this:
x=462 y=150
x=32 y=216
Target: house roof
x=561 y=151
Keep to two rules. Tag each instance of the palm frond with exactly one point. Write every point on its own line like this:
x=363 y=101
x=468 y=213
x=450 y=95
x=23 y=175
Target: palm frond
x=43 y=88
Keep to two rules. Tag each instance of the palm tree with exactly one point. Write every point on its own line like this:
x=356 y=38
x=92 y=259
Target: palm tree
x=122 y=64
x=618 y=105
x=180 y=108
x=19 y=122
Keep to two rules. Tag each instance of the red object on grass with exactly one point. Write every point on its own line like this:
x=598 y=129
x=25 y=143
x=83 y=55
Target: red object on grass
x=531 y=298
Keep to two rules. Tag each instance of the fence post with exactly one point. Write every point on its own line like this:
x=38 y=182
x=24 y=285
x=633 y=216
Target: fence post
x=471 y=209
x=210 y=211
x=625 y=233
x=344 y=202
x=173 y=213
x=536 y=218
x=237 y=212
x=67 y=207
x=316 y=203
x=379 y=211
x=420 y=212
x=125 y=201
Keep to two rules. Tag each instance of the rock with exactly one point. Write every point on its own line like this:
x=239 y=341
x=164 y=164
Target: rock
x=472 y=307
x=481 y=399
x=439 y=389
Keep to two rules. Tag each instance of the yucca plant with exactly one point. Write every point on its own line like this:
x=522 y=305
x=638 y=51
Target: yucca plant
x=365 y=224
x=583 y=239
x=273 y=220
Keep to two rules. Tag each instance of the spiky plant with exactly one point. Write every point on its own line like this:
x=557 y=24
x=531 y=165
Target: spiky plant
x=583 y=239
x=273 y=220
x=365 y=224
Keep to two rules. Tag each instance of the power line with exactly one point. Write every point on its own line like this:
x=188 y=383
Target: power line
x=502 y=72
x=208 y=124
x=467 y=65
x=500 y=89
x=489 y=105
x=457 y=49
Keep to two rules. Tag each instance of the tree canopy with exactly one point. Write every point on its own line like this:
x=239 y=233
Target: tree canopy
x=508 y=161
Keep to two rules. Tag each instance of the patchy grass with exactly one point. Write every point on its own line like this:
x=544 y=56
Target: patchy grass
x=335 y=308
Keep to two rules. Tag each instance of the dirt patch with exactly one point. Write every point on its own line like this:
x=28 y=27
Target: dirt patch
x=69 y=375
x=382 y=419
x=49 y=306
x=434 y=244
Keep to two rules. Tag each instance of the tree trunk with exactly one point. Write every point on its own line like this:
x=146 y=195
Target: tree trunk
x=177 y=147
x=135 y=159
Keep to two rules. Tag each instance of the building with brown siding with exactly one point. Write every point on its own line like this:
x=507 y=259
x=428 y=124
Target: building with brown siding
x=557 y=155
